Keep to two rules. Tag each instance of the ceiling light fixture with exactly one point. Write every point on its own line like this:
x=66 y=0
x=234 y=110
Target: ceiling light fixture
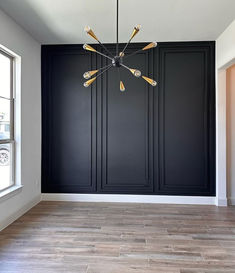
x=118 y=59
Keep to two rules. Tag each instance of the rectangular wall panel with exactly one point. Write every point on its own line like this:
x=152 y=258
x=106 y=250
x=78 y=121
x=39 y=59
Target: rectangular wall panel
x=127 y=133
x=69 y=132
x=186 y=124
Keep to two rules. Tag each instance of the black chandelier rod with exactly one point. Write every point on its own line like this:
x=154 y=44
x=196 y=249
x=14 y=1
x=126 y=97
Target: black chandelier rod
x=117 y=31
x=132 y=54
x=105 y=48
x=106 y=69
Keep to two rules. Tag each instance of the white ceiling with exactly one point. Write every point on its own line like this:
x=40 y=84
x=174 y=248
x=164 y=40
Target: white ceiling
x=63 y=21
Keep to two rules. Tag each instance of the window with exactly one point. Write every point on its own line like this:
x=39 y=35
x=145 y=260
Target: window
x=6 y=121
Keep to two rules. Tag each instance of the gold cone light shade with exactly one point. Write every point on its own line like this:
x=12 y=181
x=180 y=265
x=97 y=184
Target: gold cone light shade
x=135 y=72
x=87 y=75
x=135 y=31
x=88 y=47
x=89 y=82
x=90 y=32
x=122 y=87
x=150 y=81
x=149 y=46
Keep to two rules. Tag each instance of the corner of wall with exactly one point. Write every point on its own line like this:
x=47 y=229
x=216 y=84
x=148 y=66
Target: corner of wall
x=21 y=211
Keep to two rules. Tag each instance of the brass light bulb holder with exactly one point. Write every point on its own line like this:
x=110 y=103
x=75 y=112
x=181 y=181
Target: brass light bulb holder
x=149 y=46
x=90 y=32
x=122 y=87
x=150 y=81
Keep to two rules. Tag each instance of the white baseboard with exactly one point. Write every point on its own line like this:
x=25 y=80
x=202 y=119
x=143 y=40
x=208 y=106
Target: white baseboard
x=6 y=222
x=156 y=199
x=222 y=202
x=231 y=201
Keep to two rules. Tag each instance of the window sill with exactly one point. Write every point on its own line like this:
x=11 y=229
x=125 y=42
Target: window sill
x=6 y=194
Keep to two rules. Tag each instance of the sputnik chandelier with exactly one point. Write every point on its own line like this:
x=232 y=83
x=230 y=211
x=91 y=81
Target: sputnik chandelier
x=117 y=61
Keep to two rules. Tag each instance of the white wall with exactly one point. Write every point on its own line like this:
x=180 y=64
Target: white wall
x=19 y=41
x=230 y=84
x=225 y=57
x=225 y=47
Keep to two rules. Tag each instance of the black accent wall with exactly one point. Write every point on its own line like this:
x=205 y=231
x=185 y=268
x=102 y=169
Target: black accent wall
x=144 y=141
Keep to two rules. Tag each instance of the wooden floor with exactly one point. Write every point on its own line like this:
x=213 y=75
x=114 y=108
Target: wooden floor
x=120 y=238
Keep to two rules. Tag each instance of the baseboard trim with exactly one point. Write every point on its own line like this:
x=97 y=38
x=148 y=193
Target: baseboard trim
x=222 y=202
x=9 y=220
x=154 y=199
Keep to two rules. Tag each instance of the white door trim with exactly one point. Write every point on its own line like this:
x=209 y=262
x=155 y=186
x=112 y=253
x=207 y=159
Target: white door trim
x=221 y=135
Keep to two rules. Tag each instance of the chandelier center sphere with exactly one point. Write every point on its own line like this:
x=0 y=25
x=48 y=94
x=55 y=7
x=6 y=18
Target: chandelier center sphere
x=117 y=61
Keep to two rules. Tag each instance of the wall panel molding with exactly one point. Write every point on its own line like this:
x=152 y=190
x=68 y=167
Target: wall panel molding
x=145 y=141
x=55 y=114
x=170 y=55
x=114 y=183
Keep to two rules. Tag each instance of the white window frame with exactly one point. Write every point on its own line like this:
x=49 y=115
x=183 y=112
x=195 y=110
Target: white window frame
x=15 y=124
x=11 y=140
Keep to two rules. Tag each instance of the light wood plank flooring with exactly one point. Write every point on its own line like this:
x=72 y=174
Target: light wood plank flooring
x=120 y=238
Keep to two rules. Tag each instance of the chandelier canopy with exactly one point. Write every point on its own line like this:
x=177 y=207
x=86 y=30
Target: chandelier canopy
x=118 y=60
